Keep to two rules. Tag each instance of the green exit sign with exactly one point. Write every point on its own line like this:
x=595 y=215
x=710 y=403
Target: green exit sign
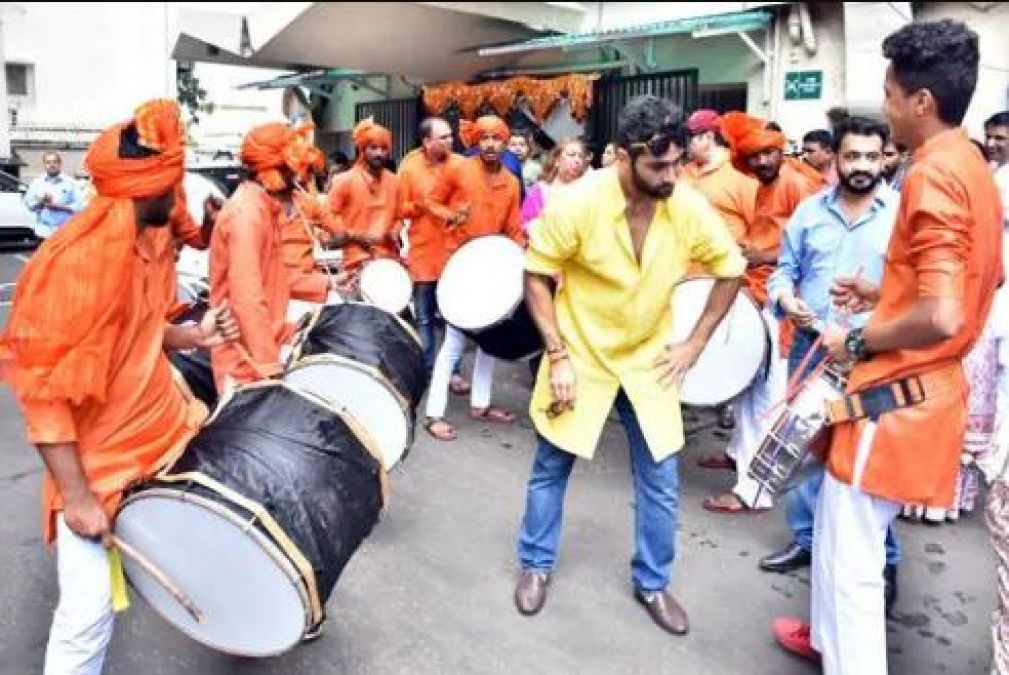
x=803 y=85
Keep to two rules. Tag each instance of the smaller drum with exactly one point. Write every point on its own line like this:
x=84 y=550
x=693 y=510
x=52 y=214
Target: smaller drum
x=368 y=363
x=787 y=446
x=481 y=292
x=386 y=284
x=735 y=353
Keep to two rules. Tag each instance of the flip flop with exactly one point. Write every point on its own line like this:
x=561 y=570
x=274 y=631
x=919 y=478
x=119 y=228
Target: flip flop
x=447 y=432
x=717 y=462
x=492 y=414
x=720 y=505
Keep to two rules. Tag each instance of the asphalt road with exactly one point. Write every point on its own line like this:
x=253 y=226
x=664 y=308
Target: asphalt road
x=430 y=591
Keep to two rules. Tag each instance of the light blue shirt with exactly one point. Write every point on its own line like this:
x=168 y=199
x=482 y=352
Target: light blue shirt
x=64 y=191
x=820 y=245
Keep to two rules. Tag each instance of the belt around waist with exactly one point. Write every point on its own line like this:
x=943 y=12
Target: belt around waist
x=888 y=396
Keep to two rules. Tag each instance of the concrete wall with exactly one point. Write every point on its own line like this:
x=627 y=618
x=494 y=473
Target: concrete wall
x=93 y=62
x=992 y=93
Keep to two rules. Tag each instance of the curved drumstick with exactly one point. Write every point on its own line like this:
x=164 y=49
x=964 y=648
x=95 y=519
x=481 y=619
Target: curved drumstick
x=159 y=576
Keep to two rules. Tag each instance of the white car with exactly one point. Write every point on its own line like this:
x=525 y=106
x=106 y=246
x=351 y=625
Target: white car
x=17 y=223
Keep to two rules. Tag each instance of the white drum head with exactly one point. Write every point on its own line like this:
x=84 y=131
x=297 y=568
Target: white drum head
x=482 y=283
x=247 y=591
x=387 y=285
x=733 y=356
x=372 y=402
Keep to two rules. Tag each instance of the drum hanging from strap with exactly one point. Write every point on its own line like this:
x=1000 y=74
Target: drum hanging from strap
x=256 y=520
x=786 y=449
x=481 y=292
x=386 y=284
x=368 y=363
x=734 y=355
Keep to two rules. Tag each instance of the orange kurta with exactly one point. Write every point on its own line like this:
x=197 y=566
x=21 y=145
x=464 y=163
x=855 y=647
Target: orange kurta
x=947 y=242
x=163 y=240
x=775 y=204
x=246 y=270
x=298 y=247
x=731 y=192
x=366 y=206
x=428 y=234
x=493 y=200
x=145 y=421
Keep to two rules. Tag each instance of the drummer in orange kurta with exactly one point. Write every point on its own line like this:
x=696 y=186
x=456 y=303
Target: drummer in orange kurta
x=181 y=230
x=84 y=353
x=246 y=265
x=364 y=200
x=897 y=439
x=731 y=192
x=758 y=151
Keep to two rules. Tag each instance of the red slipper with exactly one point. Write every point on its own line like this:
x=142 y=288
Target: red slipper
x=729 y=504
x=492 y=414
x=717 y=462
x=793 y=635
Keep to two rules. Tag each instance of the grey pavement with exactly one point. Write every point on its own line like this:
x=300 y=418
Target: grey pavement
x=430 y=591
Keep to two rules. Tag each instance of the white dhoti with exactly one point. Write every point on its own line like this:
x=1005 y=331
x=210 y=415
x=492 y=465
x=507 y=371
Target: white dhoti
x=752 y=420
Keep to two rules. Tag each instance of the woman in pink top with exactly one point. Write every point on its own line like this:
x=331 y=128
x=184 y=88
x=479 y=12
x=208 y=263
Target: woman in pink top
x=567 y=162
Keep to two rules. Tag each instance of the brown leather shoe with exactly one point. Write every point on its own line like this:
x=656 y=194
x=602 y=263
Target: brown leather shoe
x=665 y=611
x=531 y=591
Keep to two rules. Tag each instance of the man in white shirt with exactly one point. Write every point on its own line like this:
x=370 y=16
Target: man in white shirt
x=53 y=197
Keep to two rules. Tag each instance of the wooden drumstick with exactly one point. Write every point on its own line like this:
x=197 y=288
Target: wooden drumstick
x=145 y=564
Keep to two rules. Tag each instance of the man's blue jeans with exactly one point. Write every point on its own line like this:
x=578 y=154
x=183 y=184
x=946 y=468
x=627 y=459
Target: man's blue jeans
x=425 y=305
x=800 y=502
x=656 y=506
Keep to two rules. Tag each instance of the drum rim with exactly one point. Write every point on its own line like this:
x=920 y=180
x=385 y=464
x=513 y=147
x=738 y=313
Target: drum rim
x=314 y=321
x=743 y=293
x=371 y=371
x=273 y=551
x=511 y=310
x=386 y=262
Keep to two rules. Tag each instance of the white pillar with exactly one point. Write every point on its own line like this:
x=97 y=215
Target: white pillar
x=5 y=118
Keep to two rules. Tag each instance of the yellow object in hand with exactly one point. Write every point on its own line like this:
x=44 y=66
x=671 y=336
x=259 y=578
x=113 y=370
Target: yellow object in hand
x=120 y=599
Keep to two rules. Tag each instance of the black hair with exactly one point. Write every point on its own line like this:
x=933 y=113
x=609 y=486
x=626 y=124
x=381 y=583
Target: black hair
x=644 y=118
x=999 y=119
x=773 y=126
x=821 y=137
x=339 y=157
x=981 y=148
x=859 y=126
x=129 y=144
x=940 y=56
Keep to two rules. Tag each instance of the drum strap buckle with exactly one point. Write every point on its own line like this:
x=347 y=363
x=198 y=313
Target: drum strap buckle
x=877 y=401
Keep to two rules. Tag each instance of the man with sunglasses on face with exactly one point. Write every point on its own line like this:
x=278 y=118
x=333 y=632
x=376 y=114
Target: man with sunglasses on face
x=620 y=240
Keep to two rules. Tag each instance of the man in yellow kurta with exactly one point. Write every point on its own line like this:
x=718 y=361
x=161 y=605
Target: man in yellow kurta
x=620 y=242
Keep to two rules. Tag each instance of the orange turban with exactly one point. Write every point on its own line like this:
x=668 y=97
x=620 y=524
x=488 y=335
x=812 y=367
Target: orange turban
x=269 y=147
x=367 y=132
x=472 y=132
x=747 y=136
x=68 y=305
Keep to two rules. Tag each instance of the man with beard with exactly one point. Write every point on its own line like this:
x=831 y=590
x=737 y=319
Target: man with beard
x=476 y=197
x=246 y=262
x=784 y=183
x=897 y=436
x=842 y=232
x=893 y=163
x=364 y=200
x=84 y=352
x=621 y=240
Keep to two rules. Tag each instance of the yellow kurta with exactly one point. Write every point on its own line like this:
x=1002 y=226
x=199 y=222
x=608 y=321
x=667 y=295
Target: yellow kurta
x=614 y=315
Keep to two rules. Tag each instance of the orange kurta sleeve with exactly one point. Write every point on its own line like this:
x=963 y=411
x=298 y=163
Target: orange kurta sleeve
x=940 y=242
x=249 y=303
x=49 y=422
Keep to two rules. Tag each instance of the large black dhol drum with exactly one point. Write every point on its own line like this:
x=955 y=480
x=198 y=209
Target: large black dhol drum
x=257 y=519
x=481 y=293
x=367 y=363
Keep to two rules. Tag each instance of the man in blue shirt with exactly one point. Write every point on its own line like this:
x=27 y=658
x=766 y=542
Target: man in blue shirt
x=843 y=231
x=53 y=197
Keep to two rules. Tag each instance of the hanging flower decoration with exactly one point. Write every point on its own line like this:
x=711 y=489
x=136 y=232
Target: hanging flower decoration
x=542 y=96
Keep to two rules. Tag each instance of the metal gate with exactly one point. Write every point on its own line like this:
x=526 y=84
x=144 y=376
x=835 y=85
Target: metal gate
x=401 y=116
x=610 y=94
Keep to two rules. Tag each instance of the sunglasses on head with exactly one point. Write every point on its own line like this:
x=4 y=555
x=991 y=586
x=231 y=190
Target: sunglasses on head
x=658 y=145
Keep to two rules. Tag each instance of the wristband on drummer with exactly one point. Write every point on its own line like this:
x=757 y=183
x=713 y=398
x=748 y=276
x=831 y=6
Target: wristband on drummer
x=559 y=353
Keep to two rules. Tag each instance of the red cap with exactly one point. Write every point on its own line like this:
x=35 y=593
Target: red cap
x=703 y=120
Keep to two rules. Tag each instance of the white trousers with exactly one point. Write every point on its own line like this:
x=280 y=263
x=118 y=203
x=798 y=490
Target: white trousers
x=82 y=623
x=451 y=351
x=849 y=552
x=753 y=422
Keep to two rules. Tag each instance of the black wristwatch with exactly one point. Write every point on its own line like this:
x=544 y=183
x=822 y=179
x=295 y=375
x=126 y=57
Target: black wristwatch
x=854 y=344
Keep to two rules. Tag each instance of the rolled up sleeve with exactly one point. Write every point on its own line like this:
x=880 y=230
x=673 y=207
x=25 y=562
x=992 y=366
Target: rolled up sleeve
x=552 y=242
x=49 y=422
x=712 y=246
x=940 y=242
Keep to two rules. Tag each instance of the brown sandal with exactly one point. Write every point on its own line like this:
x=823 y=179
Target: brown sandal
x=447 y=432
x=492 y=414
x=729 y=503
